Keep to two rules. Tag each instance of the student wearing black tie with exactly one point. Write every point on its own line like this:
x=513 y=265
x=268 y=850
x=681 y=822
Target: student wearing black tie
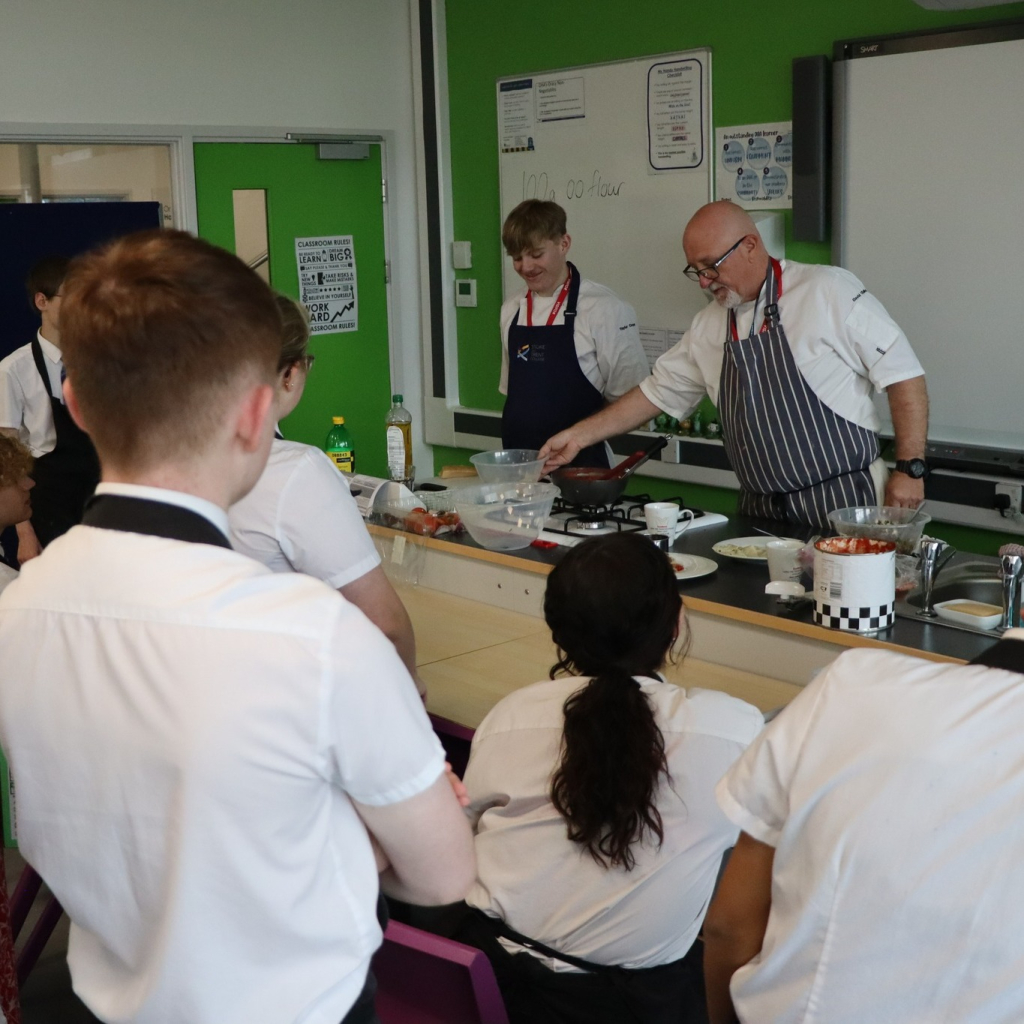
x=32 y=409
x=214 y=761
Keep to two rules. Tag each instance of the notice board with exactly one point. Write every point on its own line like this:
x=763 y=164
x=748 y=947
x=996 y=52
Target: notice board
x=625 y=149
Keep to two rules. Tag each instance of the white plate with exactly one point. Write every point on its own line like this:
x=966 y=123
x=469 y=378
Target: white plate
x=693 y=566
x=743 y=542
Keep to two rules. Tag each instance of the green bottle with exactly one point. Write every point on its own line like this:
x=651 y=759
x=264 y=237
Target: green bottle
x=339 y=446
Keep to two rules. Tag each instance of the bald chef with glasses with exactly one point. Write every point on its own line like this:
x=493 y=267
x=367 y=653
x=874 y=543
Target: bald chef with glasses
x=791 y=354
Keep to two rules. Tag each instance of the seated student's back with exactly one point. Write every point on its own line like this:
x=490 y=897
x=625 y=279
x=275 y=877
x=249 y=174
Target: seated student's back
x=597 y=831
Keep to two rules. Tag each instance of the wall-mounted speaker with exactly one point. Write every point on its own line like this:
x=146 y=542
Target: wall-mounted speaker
x=812 y=132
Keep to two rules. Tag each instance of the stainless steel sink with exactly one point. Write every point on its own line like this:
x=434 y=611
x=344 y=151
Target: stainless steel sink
x=971 y=581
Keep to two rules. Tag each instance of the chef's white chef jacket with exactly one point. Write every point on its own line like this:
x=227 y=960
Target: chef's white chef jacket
x=301 y=517
x=606 y=336
x=189 y=731
x=891 y=789
x=549 y=888
x=843 y=342
x=24 y=403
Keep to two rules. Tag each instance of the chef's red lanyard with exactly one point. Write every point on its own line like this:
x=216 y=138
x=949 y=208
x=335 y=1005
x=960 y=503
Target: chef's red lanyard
x=775 y=269
x=554 y=309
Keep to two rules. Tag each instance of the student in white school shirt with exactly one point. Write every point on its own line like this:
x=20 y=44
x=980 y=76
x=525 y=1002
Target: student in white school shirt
x=879 y=875
x=213 y=760
x=597 y=832
x=569 y=345
x=301 y=516
x=32 y=409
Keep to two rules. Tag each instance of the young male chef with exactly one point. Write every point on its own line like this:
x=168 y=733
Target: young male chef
x=32 y=409
x=209 y=755
x=569 y=346
x=791 y=354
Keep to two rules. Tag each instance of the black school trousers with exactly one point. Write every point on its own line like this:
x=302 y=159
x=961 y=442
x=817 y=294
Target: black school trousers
x=534 y=994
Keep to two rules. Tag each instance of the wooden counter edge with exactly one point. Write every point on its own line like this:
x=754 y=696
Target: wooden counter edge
x=835 y=637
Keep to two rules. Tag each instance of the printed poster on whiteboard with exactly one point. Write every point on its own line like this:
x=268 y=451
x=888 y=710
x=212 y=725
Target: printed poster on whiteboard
x=675 y=115
x=755 y=165
x=327 y=282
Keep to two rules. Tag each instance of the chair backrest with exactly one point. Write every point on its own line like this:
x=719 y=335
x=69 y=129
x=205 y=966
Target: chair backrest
x=456 y=740
x=426 y=979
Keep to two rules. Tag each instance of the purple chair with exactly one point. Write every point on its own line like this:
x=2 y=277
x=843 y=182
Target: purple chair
x=456 y=740
x=426 y=979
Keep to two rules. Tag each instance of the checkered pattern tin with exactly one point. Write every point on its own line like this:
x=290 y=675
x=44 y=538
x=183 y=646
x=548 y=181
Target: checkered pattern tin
x=855 y=584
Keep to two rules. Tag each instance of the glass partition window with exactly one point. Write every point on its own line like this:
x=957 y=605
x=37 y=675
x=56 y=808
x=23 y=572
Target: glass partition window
x=86 y=173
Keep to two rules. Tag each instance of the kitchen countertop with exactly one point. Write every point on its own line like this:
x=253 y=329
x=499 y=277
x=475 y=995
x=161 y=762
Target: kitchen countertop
x=736 y=591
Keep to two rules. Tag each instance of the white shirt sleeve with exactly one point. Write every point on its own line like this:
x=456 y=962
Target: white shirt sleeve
x=380 y=744
x=676 y=385
x=866 y=336
x=12 y=397
x=319 y=527
x=754 y=795
x=621 y=359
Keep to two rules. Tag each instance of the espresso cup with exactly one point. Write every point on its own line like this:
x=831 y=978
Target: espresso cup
x=784 y=559
x=666 y=517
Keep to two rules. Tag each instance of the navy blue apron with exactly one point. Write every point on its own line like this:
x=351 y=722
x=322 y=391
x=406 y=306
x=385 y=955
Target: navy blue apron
x=547 y=390
x=64 y=477
x=795 y=458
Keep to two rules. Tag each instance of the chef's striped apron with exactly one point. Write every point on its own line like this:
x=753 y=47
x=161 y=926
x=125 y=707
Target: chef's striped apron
x=795 y=458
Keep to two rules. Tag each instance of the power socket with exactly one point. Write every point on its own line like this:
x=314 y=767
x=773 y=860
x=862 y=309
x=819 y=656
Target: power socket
x=1013 y=492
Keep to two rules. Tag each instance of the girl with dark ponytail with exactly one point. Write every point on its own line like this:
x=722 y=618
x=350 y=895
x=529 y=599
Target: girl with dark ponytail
x=598 y=838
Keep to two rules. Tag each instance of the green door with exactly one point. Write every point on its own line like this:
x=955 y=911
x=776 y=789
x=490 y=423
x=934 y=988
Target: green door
x=309 y=198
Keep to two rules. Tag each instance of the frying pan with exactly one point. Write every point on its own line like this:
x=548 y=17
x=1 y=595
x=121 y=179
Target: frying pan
x=590 y=485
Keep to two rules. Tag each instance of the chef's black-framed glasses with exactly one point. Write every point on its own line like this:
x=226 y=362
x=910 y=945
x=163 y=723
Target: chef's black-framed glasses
x=710 y=273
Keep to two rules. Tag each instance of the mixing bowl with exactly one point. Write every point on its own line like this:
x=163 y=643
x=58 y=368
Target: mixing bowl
x=509 y=465
x=882 y=522
x=505 y=516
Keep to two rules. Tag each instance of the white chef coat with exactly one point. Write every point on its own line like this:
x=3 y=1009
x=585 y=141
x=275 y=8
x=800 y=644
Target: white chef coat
x=188 y=732
x=607 y=339
x=891 y=789
x=547 y=887
x=301 y=517
x=843 y=342
x=7 y=575
x=24 y=403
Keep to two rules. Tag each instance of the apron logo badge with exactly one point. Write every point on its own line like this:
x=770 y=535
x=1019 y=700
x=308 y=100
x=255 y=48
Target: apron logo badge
x=523 y=353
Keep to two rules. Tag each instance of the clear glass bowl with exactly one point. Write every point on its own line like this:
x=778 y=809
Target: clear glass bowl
x=505 y=516
x=882 y=522
x=509 y=465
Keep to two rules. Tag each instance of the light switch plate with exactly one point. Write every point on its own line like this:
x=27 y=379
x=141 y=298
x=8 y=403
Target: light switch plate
x=465 y=292
x=462 y=255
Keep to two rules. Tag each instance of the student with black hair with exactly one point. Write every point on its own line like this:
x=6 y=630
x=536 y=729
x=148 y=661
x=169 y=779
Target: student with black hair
x=598 y=838
x=32 y=410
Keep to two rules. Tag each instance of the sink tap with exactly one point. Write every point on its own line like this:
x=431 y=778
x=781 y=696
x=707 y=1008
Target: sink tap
x=934 y=556
x=1010 y=568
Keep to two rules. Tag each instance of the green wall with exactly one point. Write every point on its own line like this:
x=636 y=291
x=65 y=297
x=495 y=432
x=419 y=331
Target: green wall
x=752 y=46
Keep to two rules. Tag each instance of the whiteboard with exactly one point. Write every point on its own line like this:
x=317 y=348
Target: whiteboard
x=600 y=153
x=930 y=205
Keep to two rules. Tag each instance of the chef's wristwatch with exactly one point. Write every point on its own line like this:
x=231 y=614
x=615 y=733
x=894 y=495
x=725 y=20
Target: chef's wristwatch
x=914 y=468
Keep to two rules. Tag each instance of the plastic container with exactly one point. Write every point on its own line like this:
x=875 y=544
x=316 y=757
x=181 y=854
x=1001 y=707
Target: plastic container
x=399 y=439
x=510 y=465
x=505 y=516
x=976 y=614
x=339 y=446
x=903 y=526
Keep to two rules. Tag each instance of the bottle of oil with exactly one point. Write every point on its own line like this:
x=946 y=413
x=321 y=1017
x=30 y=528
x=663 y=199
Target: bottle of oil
x=399 y=435
x=339 y=446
